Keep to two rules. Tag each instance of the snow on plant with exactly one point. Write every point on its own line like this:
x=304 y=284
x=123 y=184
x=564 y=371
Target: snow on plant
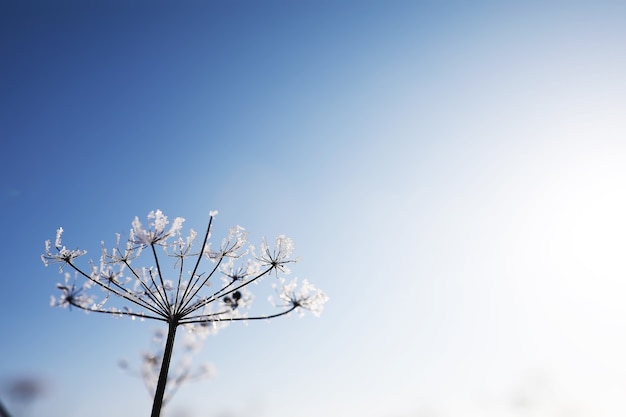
x=179 y=292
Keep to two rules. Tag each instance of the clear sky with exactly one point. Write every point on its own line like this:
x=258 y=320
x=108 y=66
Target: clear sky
x=453 y=175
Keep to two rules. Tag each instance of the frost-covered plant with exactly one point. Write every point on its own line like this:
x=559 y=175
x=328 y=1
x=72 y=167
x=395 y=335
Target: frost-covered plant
x=179 y=373
x=177 y=292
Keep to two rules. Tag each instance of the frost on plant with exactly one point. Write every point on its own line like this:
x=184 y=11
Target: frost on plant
x=304 y=297
x=160 y=274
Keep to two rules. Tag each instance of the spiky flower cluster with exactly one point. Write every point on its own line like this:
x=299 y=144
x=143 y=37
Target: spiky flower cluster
x=179 y=294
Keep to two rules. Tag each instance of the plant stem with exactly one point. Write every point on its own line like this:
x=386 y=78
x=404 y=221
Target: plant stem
x=165 y=366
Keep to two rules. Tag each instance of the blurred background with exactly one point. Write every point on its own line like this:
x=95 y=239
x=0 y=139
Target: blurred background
x=453 y=174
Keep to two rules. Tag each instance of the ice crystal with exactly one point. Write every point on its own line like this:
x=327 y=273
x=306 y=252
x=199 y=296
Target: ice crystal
x=303 y=297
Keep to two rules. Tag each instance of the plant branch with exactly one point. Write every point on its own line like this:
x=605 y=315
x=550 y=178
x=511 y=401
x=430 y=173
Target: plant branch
x=148 y=290
x=199 y=319
x=120 y=312
x=195 y=268
x=156 y=260
x=195 y=291
x=133 y=299
x=221 y=293
x=165 y=365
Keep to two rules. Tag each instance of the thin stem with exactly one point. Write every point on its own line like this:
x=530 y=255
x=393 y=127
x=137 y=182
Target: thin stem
x=148 y=290
x=198 y=304
x=221 y=293
x=156 y=291
x=199 y=319
x=195 y=268
x=195 y=291
x=122 y=313
x=156 y=260
x=165 y=366
x=132 y=299
x=143 y=303
x=180 y=277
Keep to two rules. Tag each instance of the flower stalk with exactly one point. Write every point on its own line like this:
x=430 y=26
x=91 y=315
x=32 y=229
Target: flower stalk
x=157 y=404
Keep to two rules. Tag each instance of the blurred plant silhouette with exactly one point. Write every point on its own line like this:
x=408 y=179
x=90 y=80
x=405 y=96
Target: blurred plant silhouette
x=179 y=374
x=165 y=290
x=21 y=392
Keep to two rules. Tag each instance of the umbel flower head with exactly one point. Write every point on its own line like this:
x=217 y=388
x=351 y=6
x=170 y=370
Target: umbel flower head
x=159 y=274
x=178 y=293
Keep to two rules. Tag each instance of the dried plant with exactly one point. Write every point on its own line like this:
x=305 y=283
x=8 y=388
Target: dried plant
x=168 y=291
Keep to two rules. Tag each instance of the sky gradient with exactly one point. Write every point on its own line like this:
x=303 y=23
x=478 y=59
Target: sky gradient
x=453 y=175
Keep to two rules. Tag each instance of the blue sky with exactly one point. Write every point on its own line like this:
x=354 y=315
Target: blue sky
x=453 y=175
